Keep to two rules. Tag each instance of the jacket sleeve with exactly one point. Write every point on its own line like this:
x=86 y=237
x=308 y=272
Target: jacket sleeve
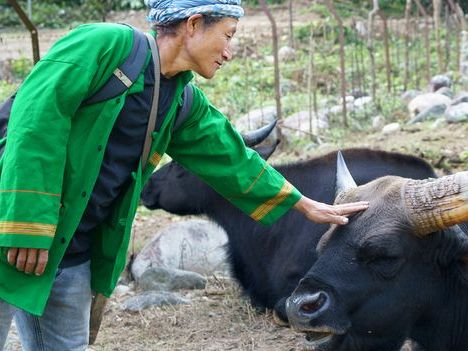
x=36 y=148
x=209 y=146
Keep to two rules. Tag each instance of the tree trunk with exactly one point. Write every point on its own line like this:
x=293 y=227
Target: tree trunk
x=388 y=64
x=291 y=27
x=274 y=32
x=427 y=41
x=460 y=19
x=312 y=87
x=407 y=42
x=370 y=46
x=338 y=19
x=437 y=4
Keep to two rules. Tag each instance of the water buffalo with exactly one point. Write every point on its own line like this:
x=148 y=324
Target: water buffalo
x=269 y=261
x=396 y=271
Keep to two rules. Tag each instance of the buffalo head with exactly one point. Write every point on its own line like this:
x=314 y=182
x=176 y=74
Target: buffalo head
x=382 y=278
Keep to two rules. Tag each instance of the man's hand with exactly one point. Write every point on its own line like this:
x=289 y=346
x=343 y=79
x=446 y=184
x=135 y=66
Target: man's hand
x=333 y=214
x=28 y=260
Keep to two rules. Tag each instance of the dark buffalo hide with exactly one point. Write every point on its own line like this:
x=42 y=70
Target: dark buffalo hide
x=375 y=283
x=269 y=261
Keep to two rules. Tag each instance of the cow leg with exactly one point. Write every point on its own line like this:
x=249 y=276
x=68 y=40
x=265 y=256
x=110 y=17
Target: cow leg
x=279 y=313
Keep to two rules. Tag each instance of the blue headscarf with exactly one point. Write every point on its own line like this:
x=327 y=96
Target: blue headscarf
x=167 y=11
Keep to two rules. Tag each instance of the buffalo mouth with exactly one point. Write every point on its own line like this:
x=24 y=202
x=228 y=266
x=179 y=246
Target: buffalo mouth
x=317 y=341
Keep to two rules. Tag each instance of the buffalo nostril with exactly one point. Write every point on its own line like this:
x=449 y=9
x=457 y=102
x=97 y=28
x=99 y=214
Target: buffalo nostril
x=312 y=304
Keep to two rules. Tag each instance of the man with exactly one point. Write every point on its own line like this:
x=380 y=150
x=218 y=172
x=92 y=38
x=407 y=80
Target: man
x=71 y=175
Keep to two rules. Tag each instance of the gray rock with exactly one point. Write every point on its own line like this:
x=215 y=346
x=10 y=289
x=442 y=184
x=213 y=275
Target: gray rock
x=256 y=118
x=362 y=102
x=167 y=279
x=378 y=122
x=462 y=97
x=193 y=245
x=122 y=290
x=339 y=108
x=152 y=298
x=298 y=124
x=440 y=81
x=457 y=113
x=429 y=113
x=425 y=101
x=445 y=91
x=286 y=54
x=391 y=128
x=409 y=95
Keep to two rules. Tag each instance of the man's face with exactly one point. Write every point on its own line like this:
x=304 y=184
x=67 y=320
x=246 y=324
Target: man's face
x=209 y=46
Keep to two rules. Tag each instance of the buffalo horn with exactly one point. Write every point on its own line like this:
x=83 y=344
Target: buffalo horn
x=344 y=179
x=436 y=204
x=255 y=137
x=266 y=151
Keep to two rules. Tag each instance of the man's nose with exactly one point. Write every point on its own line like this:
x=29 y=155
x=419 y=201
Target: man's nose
x=227 y=54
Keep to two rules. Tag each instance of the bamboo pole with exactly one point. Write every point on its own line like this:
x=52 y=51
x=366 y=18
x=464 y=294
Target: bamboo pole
x=338 y=19
x=274 y=32
x=30 y=26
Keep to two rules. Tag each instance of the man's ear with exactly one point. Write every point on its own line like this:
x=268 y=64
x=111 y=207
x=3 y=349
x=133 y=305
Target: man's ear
x=194 y=23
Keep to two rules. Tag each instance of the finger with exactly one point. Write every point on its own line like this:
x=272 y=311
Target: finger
x=30 y=261
x=361 y=204
x=11 y=255
x=21 y=259
x=332 y=219
x=346 y=210
x=42 y=261
x=340 y=220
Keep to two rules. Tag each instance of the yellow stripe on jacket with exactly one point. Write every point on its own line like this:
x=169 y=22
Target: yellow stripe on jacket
x=265 y=208
x=27 y=228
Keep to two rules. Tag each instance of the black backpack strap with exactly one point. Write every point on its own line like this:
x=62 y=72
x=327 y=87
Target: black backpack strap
x=124 y=76
x=186 y=107
x=5 y=111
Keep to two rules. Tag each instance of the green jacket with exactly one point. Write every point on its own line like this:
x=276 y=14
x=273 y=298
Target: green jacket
x=54 y=151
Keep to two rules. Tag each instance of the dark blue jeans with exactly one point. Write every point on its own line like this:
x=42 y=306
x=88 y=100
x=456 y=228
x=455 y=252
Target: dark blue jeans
x=64 y=326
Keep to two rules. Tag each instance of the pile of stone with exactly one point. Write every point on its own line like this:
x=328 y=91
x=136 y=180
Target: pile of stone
x=439 y=103
x=179 y=258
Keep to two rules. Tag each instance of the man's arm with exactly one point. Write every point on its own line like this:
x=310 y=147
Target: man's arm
x=209 y=146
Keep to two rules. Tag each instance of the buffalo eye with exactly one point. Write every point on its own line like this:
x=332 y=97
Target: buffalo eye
x=386 y=267
x=380 y=260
